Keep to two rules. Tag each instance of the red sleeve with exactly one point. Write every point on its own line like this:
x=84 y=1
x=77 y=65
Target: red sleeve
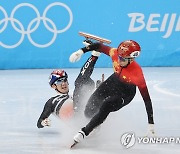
x=146 y=97
x=104 y=49
x=143 y=90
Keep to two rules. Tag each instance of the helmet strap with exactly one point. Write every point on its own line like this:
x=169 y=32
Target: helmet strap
x=129 y=61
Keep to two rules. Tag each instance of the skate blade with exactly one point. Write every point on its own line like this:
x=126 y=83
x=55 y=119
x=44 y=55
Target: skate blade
x=73 y=144
x=94 y=37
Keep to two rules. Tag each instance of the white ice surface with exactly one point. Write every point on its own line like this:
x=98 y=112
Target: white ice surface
x=23 y=94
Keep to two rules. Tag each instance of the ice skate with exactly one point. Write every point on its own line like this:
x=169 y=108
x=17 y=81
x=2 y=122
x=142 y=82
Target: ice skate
x=78 y=138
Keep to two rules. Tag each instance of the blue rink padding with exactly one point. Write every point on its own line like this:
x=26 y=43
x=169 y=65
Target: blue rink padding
x=43 y=34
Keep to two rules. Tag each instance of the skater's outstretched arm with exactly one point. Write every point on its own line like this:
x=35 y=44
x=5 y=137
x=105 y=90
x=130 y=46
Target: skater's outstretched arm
x=45 y=114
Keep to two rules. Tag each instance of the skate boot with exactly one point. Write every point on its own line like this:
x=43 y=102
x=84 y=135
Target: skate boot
x=78 y=138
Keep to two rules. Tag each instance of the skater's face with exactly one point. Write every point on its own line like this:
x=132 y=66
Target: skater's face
x=124 y=61
x=62 y=86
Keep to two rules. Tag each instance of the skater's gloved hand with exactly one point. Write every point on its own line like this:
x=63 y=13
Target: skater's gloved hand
x=76 y=56
x=87 y=42
x=150 y=131
x=92 y=46
x=46 y=122
x=94 y=52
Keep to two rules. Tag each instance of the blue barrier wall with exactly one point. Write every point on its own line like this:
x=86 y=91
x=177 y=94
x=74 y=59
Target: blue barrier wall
x=42 y=34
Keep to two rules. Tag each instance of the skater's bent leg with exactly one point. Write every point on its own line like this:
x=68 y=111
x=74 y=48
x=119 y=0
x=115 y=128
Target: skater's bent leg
x=93 y=106
x=95 y=121
x=109 y=105
x=96 y=100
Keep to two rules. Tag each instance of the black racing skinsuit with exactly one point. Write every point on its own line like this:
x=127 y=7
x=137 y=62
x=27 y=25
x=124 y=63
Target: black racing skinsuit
x=84 y=86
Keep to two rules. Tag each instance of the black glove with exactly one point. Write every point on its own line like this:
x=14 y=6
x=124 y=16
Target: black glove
x=93 y=46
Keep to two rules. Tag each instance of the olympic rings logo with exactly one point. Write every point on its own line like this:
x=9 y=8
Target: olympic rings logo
x=36 y=21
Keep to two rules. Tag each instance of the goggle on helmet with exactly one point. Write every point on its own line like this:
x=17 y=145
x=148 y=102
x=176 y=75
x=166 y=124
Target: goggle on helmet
x=57 y=75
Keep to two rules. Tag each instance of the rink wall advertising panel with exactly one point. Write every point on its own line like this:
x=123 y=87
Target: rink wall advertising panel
x=43 y=34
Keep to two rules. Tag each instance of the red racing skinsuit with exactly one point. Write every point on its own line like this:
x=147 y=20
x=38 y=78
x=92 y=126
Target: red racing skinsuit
x=117 y=91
